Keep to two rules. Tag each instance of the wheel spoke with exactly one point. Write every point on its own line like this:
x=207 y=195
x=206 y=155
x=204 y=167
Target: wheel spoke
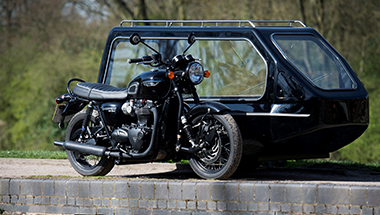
x=85 y=160
x=216 y=156
x=223 y=146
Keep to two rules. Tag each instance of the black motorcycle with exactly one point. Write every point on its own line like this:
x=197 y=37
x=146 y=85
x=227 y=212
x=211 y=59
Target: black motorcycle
x=149 y=120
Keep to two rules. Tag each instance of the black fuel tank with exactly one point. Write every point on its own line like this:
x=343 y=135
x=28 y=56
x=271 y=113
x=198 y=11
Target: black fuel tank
x=149 y=85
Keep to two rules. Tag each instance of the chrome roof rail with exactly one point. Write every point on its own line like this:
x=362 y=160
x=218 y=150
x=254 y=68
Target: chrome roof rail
x=203 y=23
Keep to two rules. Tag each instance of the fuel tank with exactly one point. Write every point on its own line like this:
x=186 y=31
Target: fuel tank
x=153 y=84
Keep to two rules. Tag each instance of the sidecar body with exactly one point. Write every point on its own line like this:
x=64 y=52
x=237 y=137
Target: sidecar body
x=292 y=94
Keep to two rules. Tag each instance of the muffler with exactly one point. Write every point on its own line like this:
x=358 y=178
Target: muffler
x=82 y=148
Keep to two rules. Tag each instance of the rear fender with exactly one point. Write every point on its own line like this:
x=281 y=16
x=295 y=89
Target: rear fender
x=73 y=107
x=64 y=112
x=204 y=107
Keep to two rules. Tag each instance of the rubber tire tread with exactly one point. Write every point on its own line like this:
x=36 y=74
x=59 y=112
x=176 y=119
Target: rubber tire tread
x=236 y=151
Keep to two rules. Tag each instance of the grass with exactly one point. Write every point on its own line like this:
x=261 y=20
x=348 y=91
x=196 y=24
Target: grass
x=39 y=154
x=179 y=162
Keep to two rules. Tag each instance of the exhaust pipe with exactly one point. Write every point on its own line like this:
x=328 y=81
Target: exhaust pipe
x=102 y=151
x=89 y=149
x=82 y=148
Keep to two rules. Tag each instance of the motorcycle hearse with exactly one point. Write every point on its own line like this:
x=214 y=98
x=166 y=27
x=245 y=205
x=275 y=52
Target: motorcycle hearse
x=219 y=93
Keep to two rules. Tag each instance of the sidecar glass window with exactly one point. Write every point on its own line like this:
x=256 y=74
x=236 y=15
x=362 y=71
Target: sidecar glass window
x=120 y=72
x=315 y=61
x=237 y=69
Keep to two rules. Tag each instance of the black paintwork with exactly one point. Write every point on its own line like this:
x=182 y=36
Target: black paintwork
x=158 y=77
x=336 y=117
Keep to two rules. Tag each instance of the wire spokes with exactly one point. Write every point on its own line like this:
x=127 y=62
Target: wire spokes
x=215 y=156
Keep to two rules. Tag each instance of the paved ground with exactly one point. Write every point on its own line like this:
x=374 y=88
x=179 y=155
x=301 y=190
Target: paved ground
x=15 y=168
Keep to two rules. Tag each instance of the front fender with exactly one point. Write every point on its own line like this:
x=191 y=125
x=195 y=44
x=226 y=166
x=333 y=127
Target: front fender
x=204 y=107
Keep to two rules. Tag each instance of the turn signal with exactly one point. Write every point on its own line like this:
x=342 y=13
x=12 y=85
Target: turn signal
x=58 y=100
x=170 y=75
x=207 y=74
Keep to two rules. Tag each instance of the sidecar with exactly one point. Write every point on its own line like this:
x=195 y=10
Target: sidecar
x=292 y=94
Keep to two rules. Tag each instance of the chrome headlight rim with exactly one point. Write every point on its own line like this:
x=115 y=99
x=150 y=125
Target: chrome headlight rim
x=195 y=72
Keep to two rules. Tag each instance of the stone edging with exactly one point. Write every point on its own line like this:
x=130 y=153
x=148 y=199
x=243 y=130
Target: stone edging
x=161 y=197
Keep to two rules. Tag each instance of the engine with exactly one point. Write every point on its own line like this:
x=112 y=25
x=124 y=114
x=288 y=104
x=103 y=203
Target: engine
x=136 y=135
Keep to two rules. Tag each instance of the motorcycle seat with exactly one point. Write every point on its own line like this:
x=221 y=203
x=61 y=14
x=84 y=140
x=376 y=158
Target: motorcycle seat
x=98 y=91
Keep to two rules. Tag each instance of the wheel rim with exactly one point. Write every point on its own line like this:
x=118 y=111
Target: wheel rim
x=218 y=145
x=85 y=161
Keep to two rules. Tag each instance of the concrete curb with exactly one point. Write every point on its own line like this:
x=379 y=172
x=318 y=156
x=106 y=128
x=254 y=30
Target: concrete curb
x=171 y=197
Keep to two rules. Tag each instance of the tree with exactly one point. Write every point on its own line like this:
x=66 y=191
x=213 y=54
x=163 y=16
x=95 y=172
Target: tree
x=51 y=41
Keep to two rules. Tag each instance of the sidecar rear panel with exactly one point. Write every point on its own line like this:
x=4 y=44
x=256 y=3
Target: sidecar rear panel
x=297 y=96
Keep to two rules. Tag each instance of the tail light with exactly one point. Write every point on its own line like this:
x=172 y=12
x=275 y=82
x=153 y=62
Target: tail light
x=63 y=98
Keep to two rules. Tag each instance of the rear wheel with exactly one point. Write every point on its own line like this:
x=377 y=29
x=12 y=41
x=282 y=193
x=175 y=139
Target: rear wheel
x=223 y=146
x=84 y=164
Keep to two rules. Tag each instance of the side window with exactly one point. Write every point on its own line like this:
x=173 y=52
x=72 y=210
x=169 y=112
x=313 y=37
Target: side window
x=237 y=69
x=315 y=61
x=120 y=72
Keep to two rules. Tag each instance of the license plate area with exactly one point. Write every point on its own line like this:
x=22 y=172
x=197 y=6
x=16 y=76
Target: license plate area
x=57 y=117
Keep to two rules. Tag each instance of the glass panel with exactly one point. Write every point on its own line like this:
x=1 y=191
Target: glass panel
x=315 y=61
x=237 y=70
x=120 y=72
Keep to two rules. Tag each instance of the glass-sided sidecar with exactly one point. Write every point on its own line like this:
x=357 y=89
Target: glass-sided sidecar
x=292 y=94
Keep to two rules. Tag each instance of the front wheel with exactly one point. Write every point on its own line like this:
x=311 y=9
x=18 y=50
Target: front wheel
x=84 y=164
x=221 y=155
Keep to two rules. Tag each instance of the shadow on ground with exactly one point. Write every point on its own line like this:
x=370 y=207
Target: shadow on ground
x=332 y=172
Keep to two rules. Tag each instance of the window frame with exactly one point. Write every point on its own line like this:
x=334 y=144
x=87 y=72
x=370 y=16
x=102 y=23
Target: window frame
x=200 y=38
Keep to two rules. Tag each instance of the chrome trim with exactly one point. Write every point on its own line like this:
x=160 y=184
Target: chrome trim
x=200 y=38
x=169 y=23
x=296 y=115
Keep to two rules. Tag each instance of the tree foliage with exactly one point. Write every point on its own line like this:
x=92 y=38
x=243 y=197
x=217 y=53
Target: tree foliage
x=45 y=43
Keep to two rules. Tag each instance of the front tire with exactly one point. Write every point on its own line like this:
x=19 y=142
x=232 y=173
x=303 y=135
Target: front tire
x=84 y=164
x=221 y=156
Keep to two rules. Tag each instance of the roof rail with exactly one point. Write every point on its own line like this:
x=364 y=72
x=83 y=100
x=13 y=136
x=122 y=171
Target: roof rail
x=202 y=23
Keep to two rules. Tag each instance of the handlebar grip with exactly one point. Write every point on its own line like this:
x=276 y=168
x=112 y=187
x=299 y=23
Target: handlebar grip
x=135 y=60
x=143 y=59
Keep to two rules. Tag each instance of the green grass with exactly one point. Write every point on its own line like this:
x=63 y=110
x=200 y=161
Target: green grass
x=39 y=154
x=179 y=162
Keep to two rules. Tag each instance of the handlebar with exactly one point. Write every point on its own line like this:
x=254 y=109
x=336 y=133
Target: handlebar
x=145 y=59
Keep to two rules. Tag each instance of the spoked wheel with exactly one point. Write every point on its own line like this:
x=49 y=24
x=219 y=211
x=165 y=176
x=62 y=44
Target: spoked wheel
x=85 y=164
x=223 y=146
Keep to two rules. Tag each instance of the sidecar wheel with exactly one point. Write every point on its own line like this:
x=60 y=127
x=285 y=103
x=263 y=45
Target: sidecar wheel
x=221 y=156
x=84 y=164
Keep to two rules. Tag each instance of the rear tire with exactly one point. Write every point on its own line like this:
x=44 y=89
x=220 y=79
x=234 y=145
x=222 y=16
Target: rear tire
x=84 y=164
x=221 y=156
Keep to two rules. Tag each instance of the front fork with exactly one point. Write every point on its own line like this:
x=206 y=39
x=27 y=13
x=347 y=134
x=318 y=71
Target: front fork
x=183 y=123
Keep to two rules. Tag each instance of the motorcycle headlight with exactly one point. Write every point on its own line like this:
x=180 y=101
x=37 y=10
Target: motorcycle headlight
x=196 y=73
